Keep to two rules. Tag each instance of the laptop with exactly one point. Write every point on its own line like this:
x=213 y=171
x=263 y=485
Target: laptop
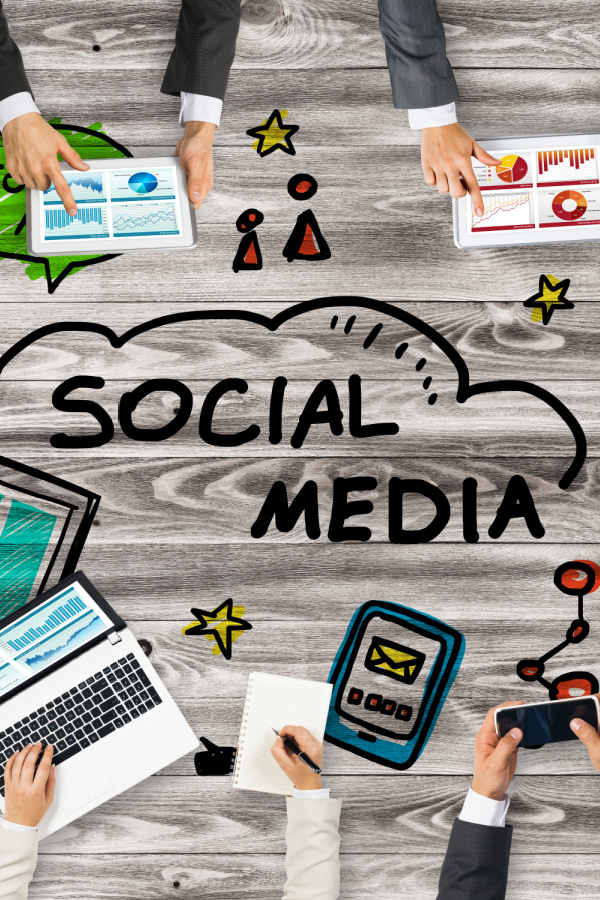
x=73 y=675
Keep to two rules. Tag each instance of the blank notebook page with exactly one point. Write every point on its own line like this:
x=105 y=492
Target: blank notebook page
x=273 y=701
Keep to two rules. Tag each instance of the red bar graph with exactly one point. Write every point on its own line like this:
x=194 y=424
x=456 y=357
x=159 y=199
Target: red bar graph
x=569 y=166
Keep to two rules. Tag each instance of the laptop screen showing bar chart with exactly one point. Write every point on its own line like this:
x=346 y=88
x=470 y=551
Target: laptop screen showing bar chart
x=46 y=634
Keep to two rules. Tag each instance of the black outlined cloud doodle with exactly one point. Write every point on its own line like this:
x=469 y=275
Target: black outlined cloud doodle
x=339 y=315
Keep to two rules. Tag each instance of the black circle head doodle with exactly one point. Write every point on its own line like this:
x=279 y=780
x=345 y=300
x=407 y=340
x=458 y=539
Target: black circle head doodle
x=249 y=219
x=302 y=187
x=575 y=577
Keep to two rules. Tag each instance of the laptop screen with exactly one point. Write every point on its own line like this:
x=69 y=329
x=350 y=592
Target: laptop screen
x=44 y=635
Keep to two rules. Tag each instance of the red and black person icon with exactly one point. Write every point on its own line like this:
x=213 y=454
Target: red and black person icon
x=248 y=255
x=306 y=240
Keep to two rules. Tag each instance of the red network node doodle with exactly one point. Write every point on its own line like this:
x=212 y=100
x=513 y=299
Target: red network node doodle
x=575 y=578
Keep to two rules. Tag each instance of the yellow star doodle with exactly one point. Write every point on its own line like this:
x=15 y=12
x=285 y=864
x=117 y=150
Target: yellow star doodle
x=273 y=135
x=220 y=625
x=550 y=296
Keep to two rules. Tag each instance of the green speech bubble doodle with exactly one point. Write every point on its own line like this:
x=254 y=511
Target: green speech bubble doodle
x=90 y=143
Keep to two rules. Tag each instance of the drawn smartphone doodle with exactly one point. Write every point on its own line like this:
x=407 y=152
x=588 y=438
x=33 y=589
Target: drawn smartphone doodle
x=390 y=679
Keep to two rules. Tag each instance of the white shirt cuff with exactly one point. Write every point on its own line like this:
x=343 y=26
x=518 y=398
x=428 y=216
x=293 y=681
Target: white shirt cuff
x=16 y=105
x=483 y=810
x=200 y=108
x=12 y=826
x=320 y=794
x=432 y=117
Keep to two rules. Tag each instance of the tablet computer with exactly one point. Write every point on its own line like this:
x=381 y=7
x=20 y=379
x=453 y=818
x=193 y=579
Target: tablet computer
x=122 y=204
x=546 y=190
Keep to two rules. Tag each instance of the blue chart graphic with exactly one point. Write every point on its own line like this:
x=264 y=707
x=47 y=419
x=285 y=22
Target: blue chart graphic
x=57 y=618
x=63 y=641
x=86 y=188
x=143 y=183
x=88 y=223
x=140 y=221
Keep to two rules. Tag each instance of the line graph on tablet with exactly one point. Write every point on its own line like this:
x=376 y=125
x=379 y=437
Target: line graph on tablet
x=133 y=220
x=504 y=211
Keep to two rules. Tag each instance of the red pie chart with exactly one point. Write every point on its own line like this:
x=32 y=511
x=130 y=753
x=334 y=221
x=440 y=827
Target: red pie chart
x=513 y=168
x=569 y=205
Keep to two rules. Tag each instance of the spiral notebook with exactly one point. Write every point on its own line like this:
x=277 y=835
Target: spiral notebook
x=273 y=701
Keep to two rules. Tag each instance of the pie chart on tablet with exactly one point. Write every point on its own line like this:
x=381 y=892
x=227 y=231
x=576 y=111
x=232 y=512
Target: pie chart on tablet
x=513 y=168
x=569 y=205
x=143 y=182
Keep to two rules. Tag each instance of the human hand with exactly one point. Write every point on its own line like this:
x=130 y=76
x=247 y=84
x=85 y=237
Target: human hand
x=29 y=793
x=195 y=151
x=495 y=758
x=446 y=154
x=31 y=147
x=588 y=735
x=300 y=775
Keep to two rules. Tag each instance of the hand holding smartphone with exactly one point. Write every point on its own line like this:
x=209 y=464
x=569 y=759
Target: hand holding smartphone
x=548 y=722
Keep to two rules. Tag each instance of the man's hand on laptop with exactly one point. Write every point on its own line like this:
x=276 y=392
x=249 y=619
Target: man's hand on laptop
x=28 y=793
x=31 y=147
x=446 y=157
x=195 y=151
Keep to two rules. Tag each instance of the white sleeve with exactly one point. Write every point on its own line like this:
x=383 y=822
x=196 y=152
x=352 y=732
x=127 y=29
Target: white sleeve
x=16 y=105
x=12 y=826
x=200 y=108
x=319 y=794
x=482 y=810
x=432 y=117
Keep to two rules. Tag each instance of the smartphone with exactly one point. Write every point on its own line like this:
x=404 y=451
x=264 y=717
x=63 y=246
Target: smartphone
x=549 y=722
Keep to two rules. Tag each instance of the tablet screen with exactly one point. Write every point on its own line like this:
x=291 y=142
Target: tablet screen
x=113 y=204
x=545 y=188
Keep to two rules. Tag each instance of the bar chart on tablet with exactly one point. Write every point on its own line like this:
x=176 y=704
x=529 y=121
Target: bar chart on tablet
x=555 y=167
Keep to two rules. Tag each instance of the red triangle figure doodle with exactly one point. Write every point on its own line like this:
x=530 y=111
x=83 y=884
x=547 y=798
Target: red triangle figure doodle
x=248 y=254
x=306 y=240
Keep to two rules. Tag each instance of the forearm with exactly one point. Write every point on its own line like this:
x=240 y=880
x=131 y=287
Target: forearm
x=313 y=844
x=18 y=856
x=204 y=48
x=415 y=46
x=13 y=79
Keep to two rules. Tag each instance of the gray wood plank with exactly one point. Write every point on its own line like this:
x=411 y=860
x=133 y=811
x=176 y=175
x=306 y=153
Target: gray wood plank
x=291 y=34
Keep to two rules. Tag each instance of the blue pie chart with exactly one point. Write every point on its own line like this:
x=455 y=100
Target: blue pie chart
x=143 y=182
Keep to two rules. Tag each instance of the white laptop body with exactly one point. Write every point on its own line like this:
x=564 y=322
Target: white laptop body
x=98 y=652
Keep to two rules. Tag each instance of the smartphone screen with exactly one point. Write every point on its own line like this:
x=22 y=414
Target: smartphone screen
x=547 y=723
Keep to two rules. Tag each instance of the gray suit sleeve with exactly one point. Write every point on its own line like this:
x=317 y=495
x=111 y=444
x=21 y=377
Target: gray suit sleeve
x=415 y=47
x=204 y=48
x=13 y=79
x=476 y=863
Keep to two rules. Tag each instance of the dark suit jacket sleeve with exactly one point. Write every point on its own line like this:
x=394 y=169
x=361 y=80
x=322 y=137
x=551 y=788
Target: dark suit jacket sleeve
x=476 y=863
x=415 y=47
x=13 y=79
x=204 y=48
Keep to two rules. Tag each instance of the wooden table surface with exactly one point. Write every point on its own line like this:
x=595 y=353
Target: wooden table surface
x=172 y=530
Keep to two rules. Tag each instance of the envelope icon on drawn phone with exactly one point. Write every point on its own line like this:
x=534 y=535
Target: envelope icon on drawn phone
x=394 y=660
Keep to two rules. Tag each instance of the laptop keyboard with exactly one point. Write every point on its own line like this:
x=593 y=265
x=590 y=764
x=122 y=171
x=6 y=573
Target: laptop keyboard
x=85 y=714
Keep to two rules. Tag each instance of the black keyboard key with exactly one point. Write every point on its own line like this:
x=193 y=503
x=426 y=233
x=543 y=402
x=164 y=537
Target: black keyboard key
x=106 y=670
x=119 y=673
x=129 y=704
x=130 y=656
x=135 y=714
x=62 y=721
x=33 y=716
x=34 y=737
x=142 y=708
x=71 y=715
x=125 y=681
x=122 y=660
x=90 y=680
x=108 y=704
x=79 y=734
x=10 y=730
x=127 y=668
x=126 y=717
x=97 y=723
x=111 y=677
x=71 y=740
x=69 y=728
x=106 y=694
x=88 y=704
x=86 y=717
x=78 y=698
x=66 y=695
x=17 y=736
x=100 y=685
x=85 y=742
x=114 y=666
x=144 y=695
x=60 y=709
x=26 y=719
x=93 y=738
x=81 y=685
x=60 y=733
x=44 y=731
x=106 y=729
x=61 y=746
x=109 y=716
x=25 y=729
x=137 y=701
x=123 y=695
x=131 y=691
x=144 y=678
x=52 y=714
x=120 y=709
x=73 y=691
x=40 y=711
x=78 y=723
x=118 y=723
x=88 y=729
x=87 y=693
x=150 y=704
x=18 y=724
x=79 y=710
x=43 y=720
x=135 y=664
x=69 y=704
x=50 y=704
x=66 y=753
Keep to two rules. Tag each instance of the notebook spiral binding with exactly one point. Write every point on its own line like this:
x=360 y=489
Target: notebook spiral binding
x=240 y=751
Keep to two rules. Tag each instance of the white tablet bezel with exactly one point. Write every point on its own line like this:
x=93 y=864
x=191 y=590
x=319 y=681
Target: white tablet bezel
x=461 y=207
x=83 y=247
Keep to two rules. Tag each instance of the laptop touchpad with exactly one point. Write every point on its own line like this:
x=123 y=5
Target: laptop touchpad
x=81 y=783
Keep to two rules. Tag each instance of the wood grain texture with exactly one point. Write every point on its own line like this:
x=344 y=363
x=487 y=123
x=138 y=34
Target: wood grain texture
x=306 y=35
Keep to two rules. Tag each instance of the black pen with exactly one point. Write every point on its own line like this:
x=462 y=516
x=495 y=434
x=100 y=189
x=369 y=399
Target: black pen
x=303 y=757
